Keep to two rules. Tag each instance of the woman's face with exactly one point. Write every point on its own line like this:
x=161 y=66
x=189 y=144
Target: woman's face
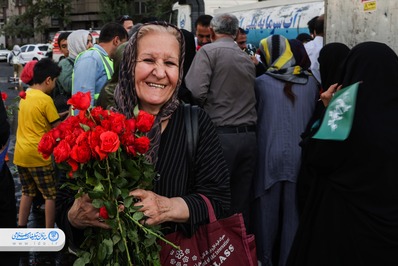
x=157 y=70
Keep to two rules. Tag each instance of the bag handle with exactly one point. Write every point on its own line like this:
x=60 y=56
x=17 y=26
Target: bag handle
x=210 y=209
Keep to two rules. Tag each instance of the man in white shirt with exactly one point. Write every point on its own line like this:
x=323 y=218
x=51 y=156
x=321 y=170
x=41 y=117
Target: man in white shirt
x=313 y=47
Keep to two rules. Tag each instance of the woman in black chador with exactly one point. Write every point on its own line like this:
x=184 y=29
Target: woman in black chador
x=351 y=214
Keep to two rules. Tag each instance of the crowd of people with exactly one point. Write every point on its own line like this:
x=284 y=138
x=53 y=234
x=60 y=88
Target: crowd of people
x=308 y=201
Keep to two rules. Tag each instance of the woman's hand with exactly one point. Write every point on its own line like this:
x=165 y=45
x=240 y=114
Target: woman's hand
x=83 y=214
x=328 y=95
x=158 y=209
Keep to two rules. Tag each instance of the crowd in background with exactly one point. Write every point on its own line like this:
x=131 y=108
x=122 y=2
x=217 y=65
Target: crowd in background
x=308 y=200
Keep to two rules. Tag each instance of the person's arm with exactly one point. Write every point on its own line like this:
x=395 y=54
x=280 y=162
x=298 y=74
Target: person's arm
x=198 y=77
x=65 y=78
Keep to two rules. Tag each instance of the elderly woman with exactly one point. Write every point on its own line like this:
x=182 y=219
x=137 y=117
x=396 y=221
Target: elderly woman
x=286 y=97
x=351 y=215
x=150 y=74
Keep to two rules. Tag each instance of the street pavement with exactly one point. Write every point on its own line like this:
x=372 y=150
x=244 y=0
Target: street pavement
x=36 y=218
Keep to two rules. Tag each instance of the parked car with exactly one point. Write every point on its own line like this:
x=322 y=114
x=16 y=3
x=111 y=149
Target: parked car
x=4 y=54
x=31 y=52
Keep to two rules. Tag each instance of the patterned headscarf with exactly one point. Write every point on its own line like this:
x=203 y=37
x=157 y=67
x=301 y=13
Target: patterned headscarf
x=280 y=61
x=125 y=93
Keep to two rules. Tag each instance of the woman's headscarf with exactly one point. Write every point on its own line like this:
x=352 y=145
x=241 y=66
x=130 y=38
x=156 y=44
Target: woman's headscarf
x=376 y=66
x=16 y=50
x=331 y=59
x=125 y=93
x=77 y=42
x=277 y=55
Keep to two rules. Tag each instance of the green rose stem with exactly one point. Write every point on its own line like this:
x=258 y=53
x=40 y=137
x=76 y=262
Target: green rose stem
x=124 y=239
x=149 y=231
x=110 y=192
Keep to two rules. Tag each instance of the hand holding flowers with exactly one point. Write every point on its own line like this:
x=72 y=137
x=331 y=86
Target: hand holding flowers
x=104 y=155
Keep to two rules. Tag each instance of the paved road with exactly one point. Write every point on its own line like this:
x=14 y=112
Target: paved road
x=36 y=219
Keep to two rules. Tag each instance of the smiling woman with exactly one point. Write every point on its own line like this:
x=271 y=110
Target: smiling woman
x=156 y=74
x=150 y=75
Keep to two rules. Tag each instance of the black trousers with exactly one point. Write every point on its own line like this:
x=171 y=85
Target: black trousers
x=240 y=152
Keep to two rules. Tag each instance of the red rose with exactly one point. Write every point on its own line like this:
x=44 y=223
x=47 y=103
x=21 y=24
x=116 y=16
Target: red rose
x=128 y=139
x=81 y=153
x=80 y=101
x=94 y=139
x=144 y=121
x=61 y=152
x=96 y=113
x=131 y=150
x=142 y=144
x=4 y=96
x=82 y=138
x=130 y=125
x=102 y=155
x=56 y=133
x=74 y=165
x=109 y=142
x=22 y=94
x=117 y=123
x=46 y=145
x=107 y=124
x=103 y=213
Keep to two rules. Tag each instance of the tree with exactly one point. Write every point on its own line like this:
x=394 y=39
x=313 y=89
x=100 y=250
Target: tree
x=34 y=19
x=111 y=9
x=160 y=8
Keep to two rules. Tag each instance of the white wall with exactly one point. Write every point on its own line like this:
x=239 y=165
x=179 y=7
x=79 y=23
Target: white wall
x=347 y=22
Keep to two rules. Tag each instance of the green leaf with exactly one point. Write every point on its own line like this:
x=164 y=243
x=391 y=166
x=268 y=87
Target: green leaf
x=138 y=216
x=91 y=180
x=98 y=203
x=116 y=238
x=98 y=175
x=121 y=182
x=121 y=246
x=116 y=192
x=102 y=251
x=85 y=127
x=136 y=110
x=79 y=262
x=95 y=194
x=128 y=201
x=111 y=208
x=149 y=241
x=109 y=246
x=99 y=187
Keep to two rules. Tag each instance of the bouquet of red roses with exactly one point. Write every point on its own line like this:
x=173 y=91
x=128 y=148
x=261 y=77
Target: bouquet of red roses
x=104 y=154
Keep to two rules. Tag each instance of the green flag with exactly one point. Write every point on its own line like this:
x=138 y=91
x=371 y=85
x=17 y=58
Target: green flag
x=337 y=122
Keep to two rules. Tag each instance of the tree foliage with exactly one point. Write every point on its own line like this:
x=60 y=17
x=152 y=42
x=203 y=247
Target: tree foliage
x=160 y=9
x=111 y=9
x=36 y=17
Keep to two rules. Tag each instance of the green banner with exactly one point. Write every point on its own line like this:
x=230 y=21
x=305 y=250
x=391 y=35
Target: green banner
x=337 y=122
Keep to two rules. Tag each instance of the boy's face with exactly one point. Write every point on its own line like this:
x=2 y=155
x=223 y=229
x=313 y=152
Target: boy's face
x=63 y=47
